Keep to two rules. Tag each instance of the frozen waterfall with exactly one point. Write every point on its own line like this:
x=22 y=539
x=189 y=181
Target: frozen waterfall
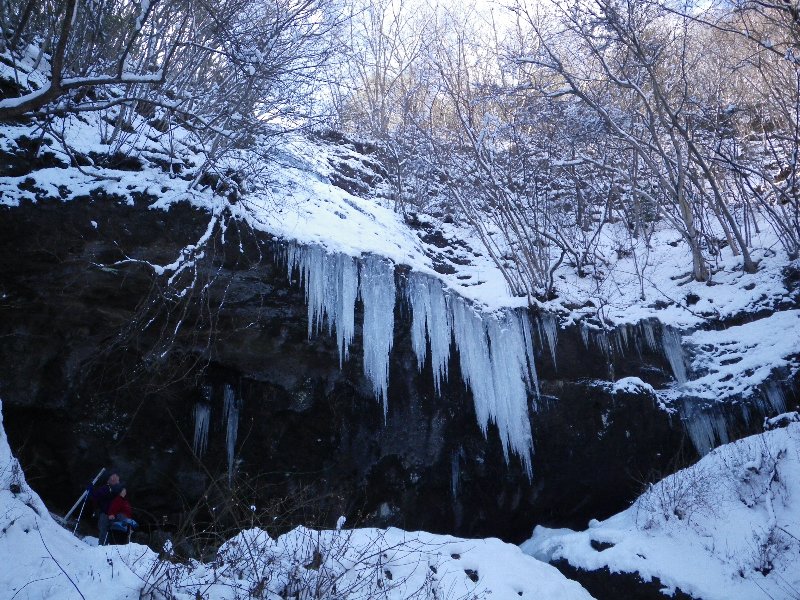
x=496 y=351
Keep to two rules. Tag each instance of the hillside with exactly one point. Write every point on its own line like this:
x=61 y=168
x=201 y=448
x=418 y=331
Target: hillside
x=554 y=282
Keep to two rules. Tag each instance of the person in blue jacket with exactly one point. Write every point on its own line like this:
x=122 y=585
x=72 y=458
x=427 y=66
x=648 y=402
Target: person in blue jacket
x=102 y=497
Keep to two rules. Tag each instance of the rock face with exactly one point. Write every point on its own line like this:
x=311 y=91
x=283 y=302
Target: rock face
x=101 y=364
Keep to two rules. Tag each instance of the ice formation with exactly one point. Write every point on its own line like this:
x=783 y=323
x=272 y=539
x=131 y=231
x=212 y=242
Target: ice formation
x=705 y=424
x=495 y=354
x=455 y=472
x=584 y=329
x=601 y=339
x=496 y=351
x=331 y=285
x=202 y=418
x=648 y=329
x=671 y=340
x=548 y=333
x=774 y=395
x=378 y=295
x=646 y=335
x=431 y=321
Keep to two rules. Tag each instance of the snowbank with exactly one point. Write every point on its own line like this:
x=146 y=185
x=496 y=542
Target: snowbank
x=726 y=528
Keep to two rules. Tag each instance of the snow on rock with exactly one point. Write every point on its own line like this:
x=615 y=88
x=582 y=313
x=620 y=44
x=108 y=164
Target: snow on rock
x=742 y=362
x=725 y=528
x=41 y=560
x=632 y=385
x=736 y=360
x=782 y=420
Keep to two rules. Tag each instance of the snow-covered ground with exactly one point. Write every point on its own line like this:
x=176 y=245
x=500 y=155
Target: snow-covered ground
x=725 y=528
x=43 y=561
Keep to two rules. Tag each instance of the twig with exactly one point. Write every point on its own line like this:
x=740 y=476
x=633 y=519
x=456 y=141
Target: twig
x=30 y=582
x=57 y=563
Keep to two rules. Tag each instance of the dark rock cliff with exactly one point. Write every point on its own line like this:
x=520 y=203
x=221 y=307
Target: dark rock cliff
x=101 y=364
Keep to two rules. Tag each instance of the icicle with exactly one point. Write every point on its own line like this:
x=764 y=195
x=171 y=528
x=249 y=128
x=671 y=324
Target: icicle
x=706 y=427
x=431 y=321
x=455 y=472
x=378 y=294
x=584 y=329
x=601 y=339
x=342 y=286
x=775 y=396
x=230 y=411
x=649 y=335
x=745 y=408
x=634 y=337
x=419 y=299
x=620 y=338
x=616 y=342
x=476 y=366
x=526 y=360
x=202 y=418
x=499 y=373
x=622 y=331
x=510 y=373
x=496 y=352
x=331 y=285
x=548 y=327
x=308 y=260
x=671 y=341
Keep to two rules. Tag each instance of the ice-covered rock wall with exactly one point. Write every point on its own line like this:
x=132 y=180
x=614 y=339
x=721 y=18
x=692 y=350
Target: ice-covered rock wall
x=495 y=350
x=745 y=365
x=262 y=391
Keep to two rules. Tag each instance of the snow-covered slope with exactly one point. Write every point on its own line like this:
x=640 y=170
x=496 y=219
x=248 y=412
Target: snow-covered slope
x=726 y=528
x=41 y=560
x=293 y=194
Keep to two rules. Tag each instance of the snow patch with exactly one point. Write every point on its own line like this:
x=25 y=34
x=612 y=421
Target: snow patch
x=723 y=529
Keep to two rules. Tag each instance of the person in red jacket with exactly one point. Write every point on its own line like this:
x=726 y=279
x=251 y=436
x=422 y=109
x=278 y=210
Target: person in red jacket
x=102 y=497
x=120 y=514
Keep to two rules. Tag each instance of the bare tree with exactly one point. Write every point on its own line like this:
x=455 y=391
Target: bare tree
x=761 y=54
x=228 y=71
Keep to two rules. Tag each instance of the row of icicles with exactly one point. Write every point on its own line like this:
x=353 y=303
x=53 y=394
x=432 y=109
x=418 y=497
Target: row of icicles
x=495 y=350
